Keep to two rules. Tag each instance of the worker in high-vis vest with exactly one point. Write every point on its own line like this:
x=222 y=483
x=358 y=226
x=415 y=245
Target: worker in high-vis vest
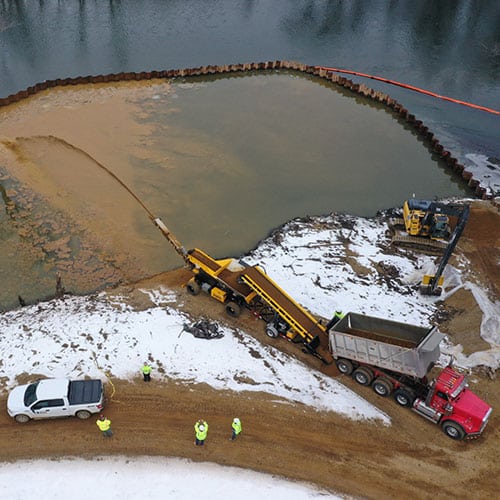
x=201 y=431
x=336 y=318
x=146 y=372
x=104 y=425
x=236 y=426
x=338 y=315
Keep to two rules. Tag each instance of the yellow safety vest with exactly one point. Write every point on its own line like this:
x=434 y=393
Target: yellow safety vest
x=104 y=425
x=201 y=435
x=146 y=369
x=236 y=427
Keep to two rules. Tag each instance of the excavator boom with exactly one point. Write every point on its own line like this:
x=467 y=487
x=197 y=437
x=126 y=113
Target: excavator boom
x=431 y=284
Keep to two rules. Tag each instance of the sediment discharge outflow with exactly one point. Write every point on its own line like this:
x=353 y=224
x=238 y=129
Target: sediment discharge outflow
x=391 y=104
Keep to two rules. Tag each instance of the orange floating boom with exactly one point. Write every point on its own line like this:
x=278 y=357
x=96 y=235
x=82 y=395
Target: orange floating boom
x=410 y=87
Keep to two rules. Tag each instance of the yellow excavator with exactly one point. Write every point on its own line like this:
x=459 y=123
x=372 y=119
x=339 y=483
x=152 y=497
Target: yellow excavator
x=431 y=225
x=426 y=224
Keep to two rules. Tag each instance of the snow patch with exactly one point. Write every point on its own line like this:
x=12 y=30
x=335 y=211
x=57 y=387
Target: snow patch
x=90 y=336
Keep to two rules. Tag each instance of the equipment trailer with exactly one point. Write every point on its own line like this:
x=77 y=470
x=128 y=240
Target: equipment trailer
x=237 y=285
x=396 y=358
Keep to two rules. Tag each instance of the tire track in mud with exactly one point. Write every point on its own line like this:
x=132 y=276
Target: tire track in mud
x=291 y=440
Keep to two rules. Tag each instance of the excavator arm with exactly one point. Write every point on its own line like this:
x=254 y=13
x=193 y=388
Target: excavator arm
x=430 y=283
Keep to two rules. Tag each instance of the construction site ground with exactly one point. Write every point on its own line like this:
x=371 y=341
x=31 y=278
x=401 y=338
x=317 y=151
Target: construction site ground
x=410 y=458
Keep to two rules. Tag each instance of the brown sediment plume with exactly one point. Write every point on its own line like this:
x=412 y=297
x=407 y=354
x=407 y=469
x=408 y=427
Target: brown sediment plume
x=361 y=89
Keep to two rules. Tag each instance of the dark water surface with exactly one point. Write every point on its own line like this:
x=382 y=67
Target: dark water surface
x=282 y=146
x=451 y=47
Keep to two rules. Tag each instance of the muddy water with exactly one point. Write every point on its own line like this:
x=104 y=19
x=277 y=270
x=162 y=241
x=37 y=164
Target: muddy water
x=221 y=160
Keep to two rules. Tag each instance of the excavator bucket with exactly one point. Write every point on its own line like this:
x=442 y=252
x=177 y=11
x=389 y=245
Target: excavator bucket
x=429 y=287
x=426 y=280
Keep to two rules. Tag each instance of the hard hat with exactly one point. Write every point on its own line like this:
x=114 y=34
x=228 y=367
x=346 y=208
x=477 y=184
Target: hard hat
x=202 y=427
x=236 y=420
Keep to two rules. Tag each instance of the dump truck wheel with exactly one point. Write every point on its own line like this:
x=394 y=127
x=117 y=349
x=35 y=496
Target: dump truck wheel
x=83 y=414
x=271 y=331
x=21 y=419
x=344 y=366
x=363 y=375
x=233 y=309
x=382 y=387
x=404 y=397
x=193 y=287
x=453 y=430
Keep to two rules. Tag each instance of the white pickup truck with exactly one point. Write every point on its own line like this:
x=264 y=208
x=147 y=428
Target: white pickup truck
x=54 y=398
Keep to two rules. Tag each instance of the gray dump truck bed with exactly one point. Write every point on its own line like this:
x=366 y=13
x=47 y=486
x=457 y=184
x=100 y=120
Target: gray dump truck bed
x=408 y=349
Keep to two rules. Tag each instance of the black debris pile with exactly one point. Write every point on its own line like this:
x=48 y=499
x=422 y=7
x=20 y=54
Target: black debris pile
x=204 y=329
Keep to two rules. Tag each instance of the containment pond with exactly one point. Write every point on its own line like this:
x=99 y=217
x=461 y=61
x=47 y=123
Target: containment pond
x=221 y=160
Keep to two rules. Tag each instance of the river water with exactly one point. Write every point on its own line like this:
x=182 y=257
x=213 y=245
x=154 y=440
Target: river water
x=451 y=47
x=224 y=160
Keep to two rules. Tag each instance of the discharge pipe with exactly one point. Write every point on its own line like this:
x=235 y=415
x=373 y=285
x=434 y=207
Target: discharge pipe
x=157 y=221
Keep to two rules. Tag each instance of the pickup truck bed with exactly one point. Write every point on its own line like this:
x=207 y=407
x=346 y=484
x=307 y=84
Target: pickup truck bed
x=84 y=391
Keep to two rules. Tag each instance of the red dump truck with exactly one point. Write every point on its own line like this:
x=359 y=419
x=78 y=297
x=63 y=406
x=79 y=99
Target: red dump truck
x=396 y=358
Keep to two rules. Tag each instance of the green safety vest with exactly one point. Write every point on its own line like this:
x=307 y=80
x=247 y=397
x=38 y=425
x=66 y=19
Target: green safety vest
x=146 y=369
x=104 y=425
x=201 y=435
x=236 y=427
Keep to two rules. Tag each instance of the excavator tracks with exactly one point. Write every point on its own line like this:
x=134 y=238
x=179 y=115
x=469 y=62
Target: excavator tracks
x=404 y=240
x=400 y=238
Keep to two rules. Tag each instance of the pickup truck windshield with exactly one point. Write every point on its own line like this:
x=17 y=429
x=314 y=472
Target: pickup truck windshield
x=30 y=394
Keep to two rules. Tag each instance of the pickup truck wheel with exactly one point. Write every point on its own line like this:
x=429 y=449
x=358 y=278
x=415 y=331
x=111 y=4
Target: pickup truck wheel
x=83 y=414
x=233 y=309
x=271 y=331
x=363 y=375
x=193 y=287
x=453 y=430
x=382 y=387
x=21 y=419
x=344 y=366
x=404 y=397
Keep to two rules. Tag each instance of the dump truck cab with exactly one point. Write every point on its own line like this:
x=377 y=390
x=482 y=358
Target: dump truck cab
x=397 y=358
x=456 y=408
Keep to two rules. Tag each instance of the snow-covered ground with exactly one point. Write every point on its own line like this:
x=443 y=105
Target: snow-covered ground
x=326 y=264
x=313 y=263
x=144 y=477
x=331 y=264
x=97 y=337
x=100 y=336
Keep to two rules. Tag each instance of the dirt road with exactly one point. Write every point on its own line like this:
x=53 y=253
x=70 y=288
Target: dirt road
x=411 y=458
